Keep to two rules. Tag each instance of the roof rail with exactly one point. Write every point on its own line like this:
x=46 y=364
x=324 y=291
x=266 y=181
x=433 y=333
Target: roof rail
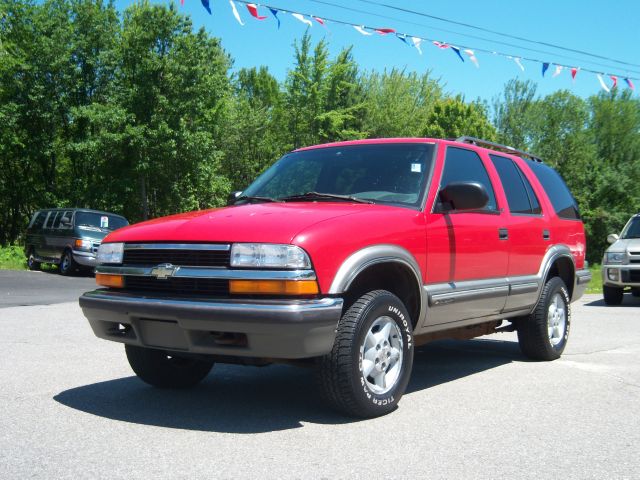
x=497 y=146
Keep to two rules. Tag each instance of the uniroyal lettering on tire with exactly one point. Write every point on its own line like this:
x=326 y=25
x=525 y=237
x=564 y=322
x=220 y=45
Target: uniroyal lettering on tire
x=369 y=367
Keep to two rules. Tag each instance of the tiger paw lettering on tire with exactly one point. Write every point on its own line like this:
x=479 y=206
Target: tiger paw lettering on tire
x=369 y=367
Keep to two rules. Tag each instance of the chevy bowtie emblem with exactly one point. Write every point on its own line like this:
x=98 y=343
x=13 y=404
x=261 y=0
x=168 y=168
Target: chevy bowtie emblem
x=164 y=271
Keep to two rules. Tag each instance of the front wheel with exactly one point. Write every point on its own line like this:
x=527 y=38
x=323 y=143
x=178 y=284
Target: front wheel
x=67 y=264
x=164 y=370
x=368 y=369
x=544 y=333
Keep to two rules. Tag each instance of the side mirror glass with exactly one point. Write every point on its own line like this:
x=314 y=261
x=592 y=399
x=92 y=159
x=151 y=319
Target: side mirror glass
x=612 y=238
x=233 y=196
x=463 y=196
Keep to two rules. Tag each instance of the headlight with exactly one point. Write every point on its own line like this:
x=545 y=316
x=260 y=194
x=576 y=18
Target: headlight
x=110 y=253
x=615 y=257
x=269 y=256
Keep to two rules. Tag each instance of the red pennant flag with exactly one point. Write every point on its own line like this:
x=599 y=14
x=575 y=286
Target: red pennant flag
x=574 y=72
x=441 y=45
x=615 y=81
x=385 y=31
x=319 y=20
x=253 y=10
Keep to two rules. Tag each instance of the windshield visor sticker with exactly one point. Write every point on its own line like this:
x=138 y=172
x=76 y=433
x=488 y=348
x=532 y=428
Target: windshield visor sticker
x=416 y=168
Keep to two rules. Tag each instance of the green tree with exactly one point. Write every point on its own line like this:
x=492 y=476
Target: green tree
x=453 y=118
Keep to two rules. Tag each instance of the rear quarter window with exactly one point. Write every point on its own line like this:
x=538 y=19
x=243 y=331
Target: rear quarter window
x=561 y=199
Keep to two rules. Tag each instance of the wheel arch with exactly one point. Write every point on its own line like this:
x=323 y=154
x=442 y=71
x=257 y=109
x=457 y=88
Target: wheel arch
x=387 y=267
x=558 y=262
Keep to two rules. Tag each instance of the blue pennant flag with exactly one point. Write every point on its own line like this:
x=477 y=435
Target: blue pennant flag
x=402 y=37
x=545 y=66
x=275 y=12
x=457 y=50
x=205 y=4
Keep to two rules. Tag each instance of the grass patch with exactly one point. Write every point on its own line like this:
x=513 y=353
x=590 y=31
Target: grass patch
x=12 y=258
x=595 y=285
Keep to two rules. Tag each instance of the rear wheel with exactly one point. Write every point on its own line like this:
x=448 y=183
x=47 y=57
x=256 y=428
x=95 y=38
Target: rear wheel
x=612 y=295
x=32 y=263
x=543 y=335
x=67 y=264
x=164 y=369
x=368 y=369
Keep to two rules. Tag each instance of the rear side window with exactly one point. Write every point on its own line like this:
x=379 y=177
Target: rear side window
x=38 y=220
x=462 y=165
x=563 y=202
x=520 y=196
x=50 y=218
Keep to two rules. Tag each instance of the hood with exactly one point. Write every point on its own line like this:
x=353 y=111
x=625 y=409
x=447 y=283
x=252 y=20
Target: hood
x=264 y=222
x=622 y=245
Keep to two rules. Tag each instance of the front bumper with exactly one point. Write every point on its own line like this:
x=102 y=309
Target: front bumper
x=287 y=329
x=86 y=259
x=621 y=275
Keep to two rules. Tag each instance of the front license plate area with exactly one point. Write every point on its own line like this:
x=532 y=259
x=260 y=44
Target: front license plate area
x=162 y=333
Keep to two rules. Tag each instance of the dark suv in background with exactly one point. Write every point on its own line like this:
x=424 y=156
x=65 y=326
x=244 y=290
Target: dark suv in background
x=68 y=237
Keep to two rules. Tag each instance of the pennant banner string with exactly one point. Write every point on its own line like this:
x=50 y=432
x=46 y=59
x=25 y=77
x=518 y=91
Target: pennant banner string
x=366 y=30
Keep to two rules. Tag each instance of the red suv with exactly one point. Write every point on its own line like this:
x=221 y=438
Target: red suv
x=344 y=257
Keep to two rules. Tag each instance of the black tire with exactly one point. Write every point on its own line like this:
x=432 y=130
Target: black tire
x=32 y=263
x=165 y=370
x=533 y=330
x=612 y=295
x=635 y=292
x=340 y=373
x=67 y=264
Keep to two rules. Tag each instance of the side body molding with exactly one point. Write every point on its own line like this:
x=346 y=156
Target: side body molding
x=362 y=259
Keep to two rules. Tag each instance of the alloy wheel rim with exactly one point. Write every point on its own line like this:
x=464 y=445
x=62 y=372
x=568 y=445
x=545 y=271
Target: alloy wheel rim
x=556 y=319
x=381 y=355
x=65 y=262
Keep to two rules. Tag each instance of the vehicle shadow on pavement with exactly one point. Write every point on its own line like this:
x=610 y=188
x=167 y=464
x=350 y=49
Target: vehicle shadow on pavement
x=236 y=399
x=628 y=301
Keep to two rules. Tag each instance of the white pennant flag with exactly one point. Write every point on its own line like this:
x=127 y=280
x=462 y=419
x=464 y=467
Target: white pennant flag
x=472 y=57
x=416 y=43
x=602 y=84
x=362 y=30
x=235 y=12
x=557 y=71
x=302 y=19
x=517 y=60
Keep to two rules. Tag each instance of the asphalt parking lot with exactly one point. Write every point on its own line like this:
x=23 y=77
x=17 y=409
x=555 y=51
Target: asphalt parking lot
x=474 y=409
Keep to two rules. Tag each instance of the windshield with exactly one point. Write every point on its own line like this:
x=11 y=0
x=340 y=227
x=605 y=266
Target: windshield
x=100 y=221
x=393 y=173
x=631 y=229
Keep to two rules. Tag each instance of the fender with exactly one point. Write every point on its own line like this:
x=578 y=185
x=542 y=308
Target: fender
x=554 y=253
x=360 y=260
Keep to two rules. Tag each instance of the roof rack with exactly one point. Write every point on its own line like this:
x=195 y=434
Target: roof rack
x=497 y=146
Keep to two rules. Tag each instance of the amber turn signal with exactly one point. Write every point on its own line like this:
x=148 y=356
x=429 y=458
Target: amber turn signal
x=106 y=280
x=273 y=287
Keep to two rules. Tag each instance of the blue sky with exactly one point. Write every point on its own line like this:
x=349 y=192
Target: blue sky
x=608 y=29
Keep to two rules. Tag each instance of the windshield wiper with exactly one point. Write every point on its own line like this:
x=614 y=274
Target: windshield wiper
x=330 y=196
x=256 y=198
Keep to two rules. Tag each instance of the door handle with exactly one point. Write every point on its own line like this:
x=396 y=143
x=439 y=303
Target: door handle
x=546 y=235
x=503 y=234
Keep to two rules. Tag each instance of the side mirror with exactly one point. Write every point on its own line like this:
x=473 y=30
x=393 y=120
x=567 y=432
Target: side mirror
x=463 y=196
x=233 y=196
x=612 y=238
